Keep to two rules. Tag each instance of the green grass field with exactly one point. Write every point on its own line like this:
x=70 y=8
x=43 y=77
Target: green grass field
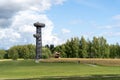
x=28 y=69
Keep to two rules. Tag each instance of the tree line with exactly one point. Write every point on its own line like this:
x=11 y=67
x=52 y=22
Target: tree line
x=23 y=52
x=82 y=48
x=72 y=48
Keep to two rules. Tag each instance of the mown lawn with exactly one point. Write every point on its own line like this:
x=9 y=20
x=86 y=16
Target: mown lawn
x=28 y=69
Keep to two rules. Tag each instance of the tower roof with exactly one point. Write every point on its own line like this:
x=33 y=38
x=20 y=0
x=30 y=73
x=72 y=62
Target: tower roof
x=37 y=24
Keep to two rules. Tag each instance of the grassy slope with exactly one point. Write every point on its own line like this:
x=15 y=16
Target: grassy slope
x=29 y=69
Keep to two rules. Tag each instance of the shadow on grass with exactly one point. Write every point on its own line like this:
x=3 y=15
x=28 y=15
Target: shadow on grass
x=93 y=77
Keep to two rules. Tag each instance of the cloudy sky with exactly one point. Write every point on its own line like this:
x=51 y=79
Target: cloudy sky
x=63 y=18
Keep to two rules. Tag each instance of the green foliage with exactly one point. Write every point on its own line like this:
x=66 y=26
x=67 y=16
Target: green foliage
x=95 y=47
x=100 y=48
x=115 y=51
x=51 y=47
x=22 y=51
x=83 y=48
x=68 y=49
x=46 y=53
x=73 y=48
x=61 y=50
x=31 y=49
x=112 y=51
x=2 y=54
x=89 y=50
x=13 y=53
x=25 y=52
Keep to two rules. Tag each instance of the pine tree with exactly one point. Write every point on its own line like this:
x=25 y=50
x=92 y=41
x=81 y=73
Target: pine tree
x=89 y=51
x=83 y=48
x=95 y=47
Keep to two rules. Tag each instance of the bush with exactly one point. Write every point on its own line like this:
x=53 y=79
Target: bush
x=2 y=54
x=25 y=52
x=63 y=55
x=31 y=51
x=13 y=53
x=46 y=53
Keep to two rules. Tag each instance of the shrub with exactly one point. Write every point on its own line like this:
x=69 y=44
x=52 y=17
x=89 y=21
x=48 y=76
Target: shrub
x=46 y=53
x=13 y=53
x=2 y=53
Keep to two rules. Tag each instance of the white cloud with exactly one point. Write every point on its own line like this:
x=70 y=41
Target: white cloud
x=59 y=1
x=65 y=31
x=23 y=25
x=110 y=34
x=106 y=27
x=116 y=17
x=12 y=6
x=21 y=29
x=16 y=5
x=9 y=33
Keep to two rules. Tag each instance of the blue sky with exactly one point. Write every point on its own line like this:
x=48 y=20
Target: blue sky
x=88 y=18
x=63 y=18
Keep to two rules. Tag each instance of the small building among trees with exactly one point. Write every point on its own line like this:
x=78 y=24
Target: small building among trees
x=57 y=55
